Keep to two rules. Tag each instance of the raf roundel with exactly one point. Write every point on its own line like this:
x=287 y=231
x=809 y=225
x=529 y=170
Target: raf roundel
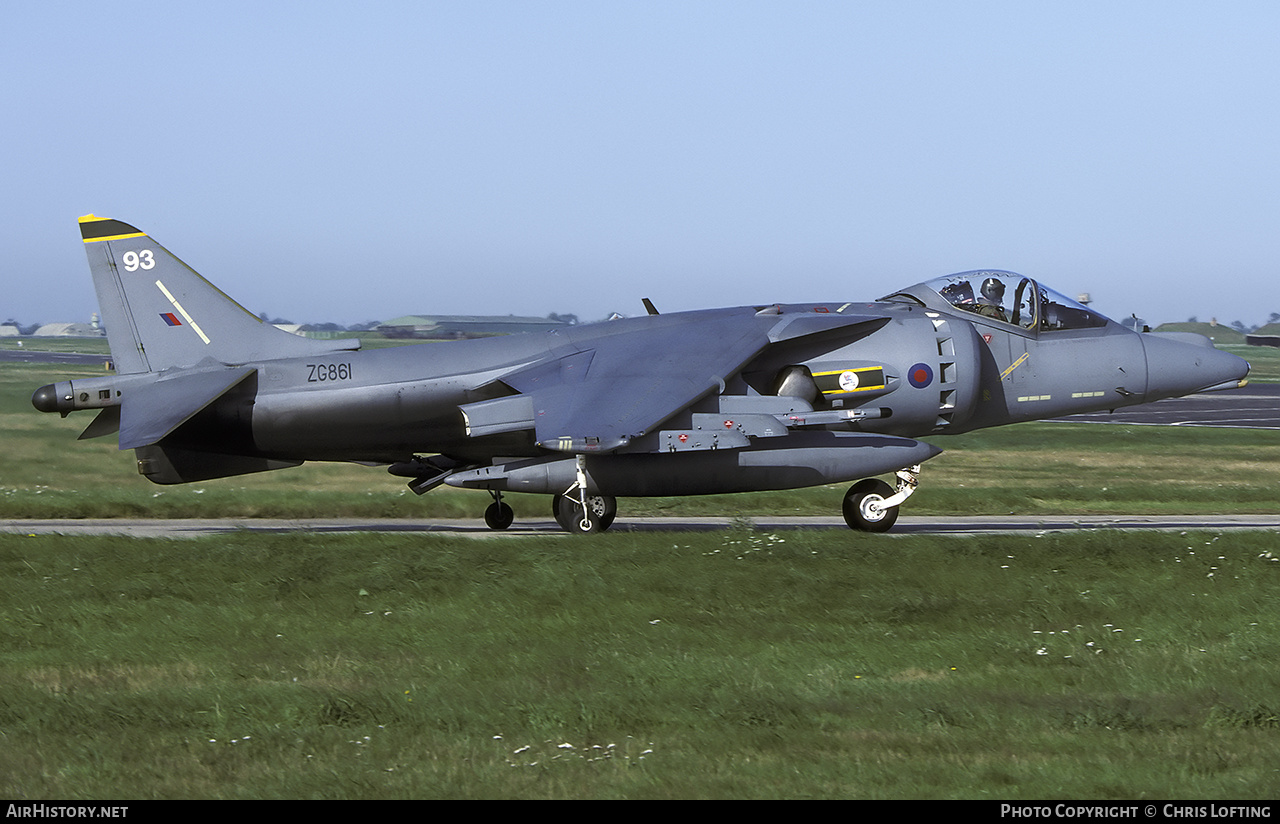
x=920 y=375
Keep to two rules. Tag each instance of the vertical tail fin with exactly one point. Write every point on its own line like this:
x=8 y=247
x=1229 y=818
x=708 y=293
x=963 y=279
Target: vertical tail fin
x=161 y=314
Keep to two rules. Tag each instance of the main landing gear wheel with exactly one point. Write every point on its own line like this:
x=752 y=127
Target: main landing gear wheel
x=601 y=510
x=863 y=508
x=499 y=515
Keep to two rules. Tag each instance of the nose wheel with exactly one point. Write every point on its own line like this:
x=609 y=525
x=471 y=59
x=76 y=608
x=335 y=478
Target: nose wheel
x=864 y=507
x=872 y=505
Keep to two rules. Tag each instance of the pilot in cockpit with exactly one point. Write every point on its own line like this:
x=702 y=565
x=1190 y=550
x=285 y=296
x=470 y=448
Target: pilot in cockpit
x=991 y=302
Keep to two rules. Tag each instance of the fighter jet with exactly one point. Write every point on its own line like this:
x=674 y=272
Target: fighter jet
x=745 y=398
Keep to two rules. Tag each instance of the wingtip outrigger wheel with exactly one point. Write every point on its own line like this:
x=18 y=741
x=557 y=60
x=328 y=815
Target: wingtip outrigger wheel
x=499 y=515
x=872 y=505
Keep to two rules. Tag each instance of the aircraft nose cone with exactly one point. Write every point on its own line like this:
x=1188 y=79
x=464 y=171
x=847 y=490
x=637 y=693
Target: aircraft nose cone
x=1182 y=363
x=45 y=399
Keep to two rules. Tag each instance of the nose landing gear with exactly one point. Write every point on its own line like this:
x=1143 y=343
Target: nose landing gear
x=872 y=505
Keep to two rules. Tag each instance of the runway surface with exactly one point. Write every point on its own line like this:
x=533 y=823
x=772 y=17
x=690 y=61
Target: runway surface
x=907 y=525
x=36 y=356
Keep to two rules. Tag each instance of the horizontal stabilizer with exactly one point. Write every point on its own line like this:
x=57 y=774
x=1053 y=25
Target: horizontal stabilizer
x=153 y=410
x=107 y=423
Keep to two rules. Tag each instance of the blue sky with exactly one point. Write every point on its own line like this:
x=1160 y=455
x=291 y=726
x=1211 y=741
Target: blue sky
x=348 y=162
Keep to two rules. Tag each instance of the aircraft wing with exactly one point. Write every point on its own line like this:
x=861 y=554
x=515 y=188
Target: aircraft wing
x=603 y=391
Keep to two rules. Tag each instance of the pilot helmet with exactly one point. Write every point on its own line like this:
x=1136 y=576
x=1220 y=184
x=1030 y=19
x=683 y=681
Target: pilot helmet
x=993 y=289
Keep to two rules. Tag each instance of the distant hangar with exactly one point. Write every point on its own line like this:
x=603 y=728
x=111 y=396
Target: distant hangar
x=449 y=327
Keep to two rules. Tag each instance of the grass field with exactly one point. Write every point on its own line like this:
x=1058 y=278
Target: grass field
x=730 y=665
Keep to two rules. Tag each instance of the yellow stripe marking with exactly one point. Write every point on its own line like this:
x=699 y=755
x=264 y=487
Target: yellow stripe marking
x=1014 y=365
x=881 y=385
x=851 y=391
x=183 y=312
x=842 y=371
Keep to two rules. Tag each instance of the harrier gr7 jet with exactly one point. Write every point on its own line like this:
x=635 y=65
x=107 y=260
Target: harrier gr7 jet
x=720 y=400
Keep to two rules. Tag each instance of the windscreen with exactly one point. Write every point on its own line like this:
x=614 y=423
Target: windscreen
x=1008 y=297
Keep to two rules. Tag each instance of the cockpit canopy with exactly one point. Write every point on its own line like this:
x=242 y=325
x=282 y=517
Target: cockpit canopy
x=1006 y=297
